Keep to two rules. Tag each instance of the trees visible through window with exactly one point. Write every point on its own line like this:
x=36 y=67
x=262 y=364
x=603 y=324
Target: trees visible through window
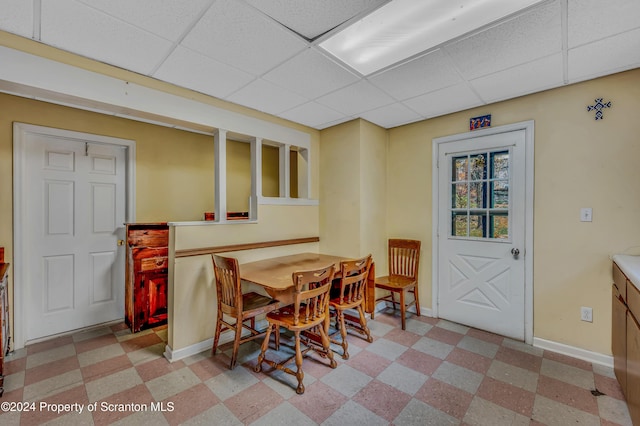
x=480 y=195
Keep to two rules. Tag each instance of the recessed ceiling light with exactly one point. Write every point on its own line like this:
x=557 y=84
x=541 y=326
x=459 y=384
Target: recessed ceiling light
x=403 y=28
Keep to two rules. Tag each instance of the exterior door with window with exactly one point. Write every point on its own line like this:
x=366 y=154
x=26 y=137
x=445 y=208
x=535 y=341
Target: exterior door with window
x=481 y=232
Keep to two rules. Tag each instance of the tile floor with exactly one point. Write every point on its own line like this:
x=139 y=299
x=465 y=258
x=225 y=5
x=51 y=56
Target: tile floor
x=434 y=373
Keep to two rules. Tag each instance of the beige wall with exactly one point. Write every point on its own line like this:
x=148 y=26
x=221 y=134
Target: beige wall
x=340 y=189
x=579 y=162
x=373 y=194
x=171 y=164
x=238 y=176
x=270 y=171
x=354 y=192
x=174 y=168
x=191 y=281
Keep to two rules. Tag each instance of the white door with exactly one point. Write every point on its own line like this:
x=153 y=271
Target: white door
x=74 y=267
x=481 y=232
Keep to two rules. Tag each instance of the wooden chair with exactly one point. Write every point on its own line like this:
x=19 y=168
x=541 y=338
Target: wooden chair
x=234 y=304
x=404 y=259
x=309 y=312
x=353 y=283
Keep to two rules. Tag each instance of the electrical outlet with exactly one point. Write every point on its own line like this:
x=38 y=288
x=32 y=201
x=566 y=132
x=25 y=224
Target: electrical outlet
x=586 y=214
x=586 y=314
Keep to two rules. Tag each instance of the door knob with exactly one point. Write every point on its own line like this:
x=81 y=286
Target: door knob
x=120 y=242
x=515 y=252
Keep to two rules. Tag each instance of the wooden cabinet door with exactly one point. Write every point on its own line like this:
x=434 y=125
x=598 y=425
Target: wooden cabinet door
x=157 y=285
x=619 y=338
x=4 y=330
x=633 y=368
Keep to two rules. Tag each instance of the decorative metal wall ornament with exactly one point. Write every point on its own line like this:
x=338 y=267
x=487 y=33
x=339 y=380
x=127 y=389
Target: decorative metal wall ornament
x=598 y=107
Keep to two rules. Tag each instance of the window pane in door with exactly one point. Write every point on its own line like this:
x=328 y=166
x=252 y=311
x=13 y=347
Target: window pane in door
x=459 y=196
x=500 y=194
x=459 y=223
x=500 y=165
x=477 y=191
x=477 y=225
x=480 y=196
x=478 y=166
x=459 y=168
x=499 y=226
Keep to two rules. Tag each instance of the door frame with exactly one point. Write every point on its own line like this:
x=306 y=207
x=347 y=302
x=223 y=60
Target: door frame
x=528 y=127
x=20 y=131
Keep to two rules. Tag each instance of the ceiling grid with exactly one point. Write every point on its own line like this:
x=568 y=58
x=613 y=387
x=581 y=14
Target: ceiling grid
x=266 y=54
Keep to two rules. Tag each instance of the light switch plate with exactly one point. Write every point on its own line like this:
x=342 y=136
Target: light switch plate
x=586 y=214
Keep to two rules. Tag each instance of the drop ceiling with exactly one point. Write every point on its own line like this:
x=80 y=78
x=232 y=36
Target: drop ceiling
x=264 y=54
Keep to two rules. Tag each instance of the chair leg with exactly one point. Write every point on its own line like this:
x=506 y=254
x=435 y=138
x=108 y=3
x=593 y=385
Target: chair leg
x=263 y=349
x=343 y=333
x=403 y=309
x=326 y=345
x=216 y=337
x=417 y=299
x=299 y=373
x=363 y=323
x=277 y=337
x=236 y=343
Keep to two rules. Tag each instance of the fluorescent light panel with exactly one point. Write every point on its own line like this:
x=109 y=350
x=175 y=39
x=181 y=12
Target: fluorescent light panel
x=403 y=28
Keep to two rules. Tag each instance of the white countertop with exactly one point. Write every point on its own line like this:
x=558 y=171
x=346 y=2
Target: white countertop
x=630 y=265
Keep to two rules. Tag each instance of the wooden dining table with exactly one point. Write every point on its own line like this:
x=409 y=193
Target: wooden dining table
x=275 y=274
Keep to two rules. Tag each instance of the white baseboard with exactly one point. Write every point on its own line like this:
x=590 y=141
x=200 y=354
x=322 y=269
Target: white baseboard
x=188 y=351
x=205 y=345
x=424 y=312
x=572 y=351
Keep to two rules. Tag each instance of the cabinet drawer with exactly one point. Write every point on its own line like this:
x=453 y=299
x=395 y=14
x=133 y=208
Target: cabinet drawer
x=148 y=238
x=151 y=263
x=633 y=300
x=620 y=280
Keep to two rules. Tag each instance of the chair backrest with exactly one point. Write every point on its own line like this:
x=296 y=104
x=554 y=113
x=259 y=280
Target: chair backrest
x=404 y=257
x=311 y=294
x=228 y=284
x=354 y=279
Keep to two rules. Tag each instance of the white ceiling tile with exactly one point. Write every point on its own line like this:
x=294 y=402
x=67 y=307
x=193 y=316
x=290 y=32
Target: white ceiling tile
x=241 y=50
x=312 y=114
x=311 y=18
x=607 y=56
x=590 y=20
x=88 y=32
x=198 y=72
x=166 y=18
x=517 y=81
x=421 y=75
x=311 y=74
x=267 y=97
x=532 y=35
x=440 y=102
x=240 y=36
x=16 y=16
x=356 y=98
x=391 y=115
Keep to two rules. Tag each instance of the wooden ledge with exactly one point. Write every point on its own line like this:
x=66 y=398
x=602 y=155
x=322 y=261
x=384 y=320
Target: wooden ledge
x=247 y=246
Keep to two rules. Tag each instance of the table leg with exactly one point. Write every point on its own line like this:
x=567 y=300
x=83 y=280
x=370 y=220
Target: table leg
x=370 y=293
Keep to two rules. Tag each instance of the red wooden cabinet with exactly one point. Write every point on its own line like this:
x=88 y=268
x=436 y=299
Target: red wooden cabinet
x=146 y=275
x=4 y=319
